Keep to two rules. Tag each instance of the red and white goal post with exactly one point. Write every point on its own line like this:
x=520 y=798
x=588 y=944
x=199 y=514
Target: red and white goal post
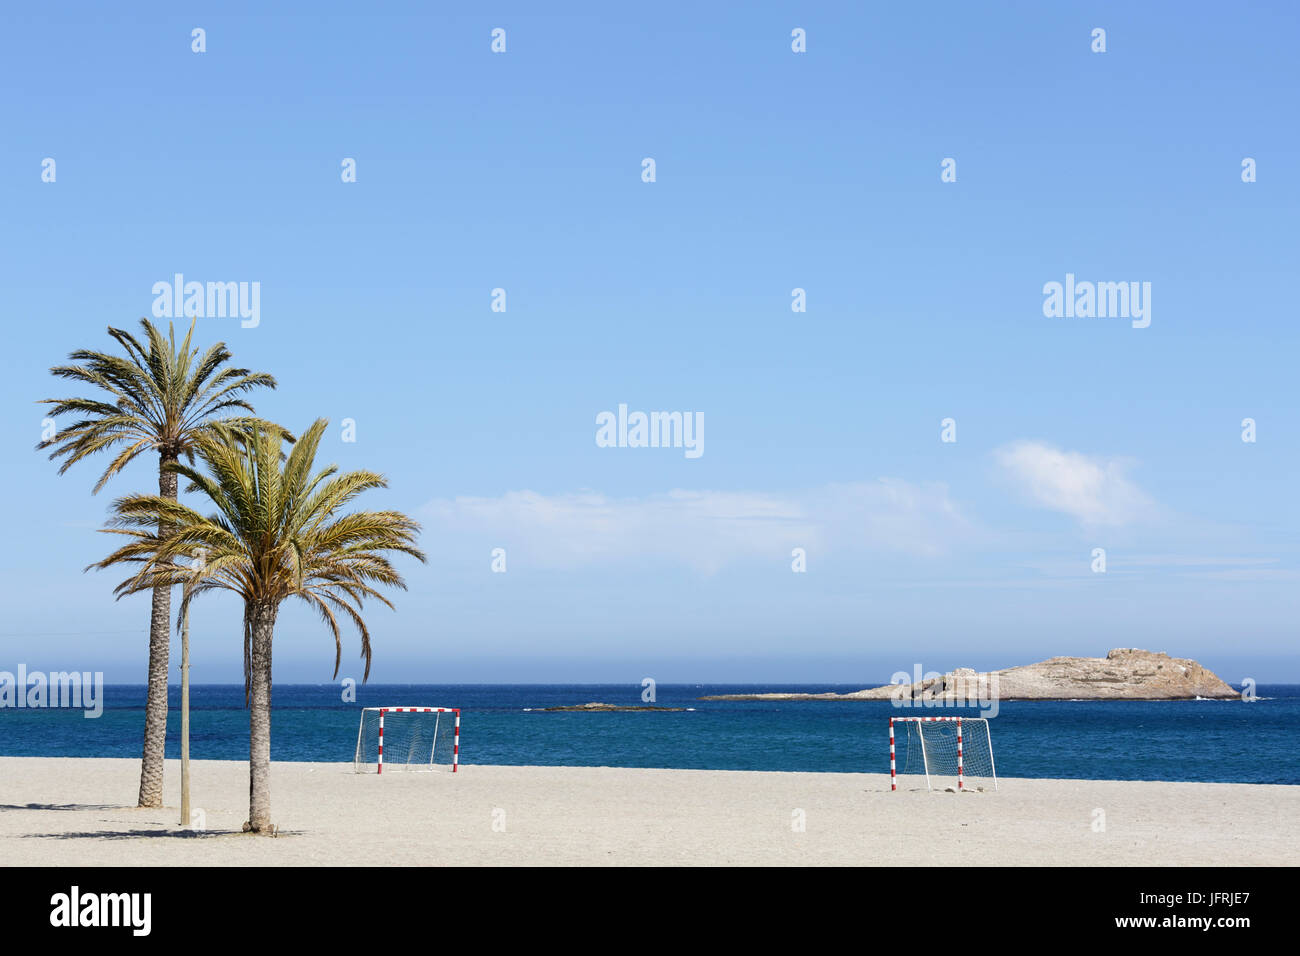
x=408 y=739
x=960 y=747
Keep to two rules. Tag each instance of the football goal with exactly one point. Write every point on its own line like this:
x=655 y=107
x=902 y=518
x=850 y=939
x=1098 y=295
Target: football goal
x=943 y=748
x=408 y=738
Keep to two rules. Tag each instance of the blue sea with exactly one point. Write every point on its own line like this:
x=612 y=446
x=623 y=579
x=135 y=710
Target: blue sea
x=1231 y=741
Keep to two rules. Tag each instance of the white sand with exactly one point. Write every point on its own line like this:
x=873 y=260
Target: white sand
x=57 y=811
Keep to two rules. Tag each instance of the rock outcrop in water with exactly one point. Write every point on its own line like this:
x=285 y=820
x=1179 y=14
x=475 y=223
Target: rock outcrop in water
x=597 y=707
x=1124 y=674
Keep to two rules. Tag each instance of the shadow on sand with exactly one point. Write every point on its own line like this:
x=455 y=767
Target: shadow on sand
x=138 y=834
x=64 y=806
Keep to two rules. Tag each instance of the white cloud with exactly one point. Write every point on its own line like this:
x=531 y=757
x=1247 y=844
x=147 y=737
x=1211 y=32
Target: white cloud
x=1092 y=490
x=705 y=530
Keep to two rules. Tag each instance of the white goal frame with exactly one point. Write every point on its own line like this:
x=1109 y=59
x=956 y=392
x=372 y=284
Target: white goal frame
x=921 y=722
x=379 y=765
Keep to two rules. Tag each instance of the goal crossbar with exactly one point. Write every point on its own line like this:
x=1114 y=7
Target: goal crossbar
x=976 y=725
x=382 y=712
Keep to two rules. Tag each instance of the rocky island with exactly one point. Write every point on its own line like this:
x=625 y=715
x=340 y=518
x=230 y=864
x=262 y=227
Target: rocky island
x=1125 y=673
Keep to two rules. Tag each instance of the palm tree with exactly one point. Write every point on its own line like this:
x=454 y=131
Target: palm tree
x=160 y=397
x=278 y=533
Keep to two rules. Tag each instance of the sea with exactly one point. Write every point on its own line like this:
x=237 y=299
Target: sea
x=1233 y=741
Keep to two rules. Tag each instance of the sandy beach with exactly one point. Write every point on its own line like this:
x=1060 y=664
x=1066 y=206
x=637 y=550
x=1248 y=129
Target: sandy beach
x=72 y=811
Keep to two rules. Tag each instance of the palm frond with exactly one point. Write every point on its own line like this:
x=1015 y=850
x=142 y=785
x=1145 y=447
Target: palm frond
x=160 y=394
x=279 y=530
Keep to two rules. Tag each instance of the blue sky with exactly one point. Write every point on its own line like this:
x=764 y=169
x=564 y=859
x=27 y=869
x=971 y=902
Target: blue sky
x=775 y=170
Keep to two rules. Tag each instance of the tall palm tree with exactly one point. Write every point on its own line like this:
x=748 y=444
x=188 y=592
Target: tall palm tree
x=278 y=532
x=159 y=397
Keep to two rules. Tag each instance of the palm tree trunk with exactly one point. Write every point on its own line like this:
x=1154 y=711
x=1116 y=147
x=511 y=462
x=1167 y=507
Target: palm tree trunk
x=155 y=713
x=259 y=720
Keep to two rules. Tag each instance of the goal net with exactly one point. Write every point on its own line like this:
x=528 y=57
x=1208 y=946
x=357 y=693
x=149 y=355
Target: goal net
x=947 y=751
x=408 y=738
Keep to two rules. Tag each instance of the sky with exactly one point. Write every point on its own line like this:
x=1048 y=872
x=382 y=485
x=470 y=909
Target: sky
x=922 y=175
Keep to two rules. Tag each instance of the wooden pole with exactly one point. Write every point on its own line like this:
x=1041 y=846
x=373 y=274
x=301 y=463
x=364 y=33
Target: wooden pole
x=185 y=714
